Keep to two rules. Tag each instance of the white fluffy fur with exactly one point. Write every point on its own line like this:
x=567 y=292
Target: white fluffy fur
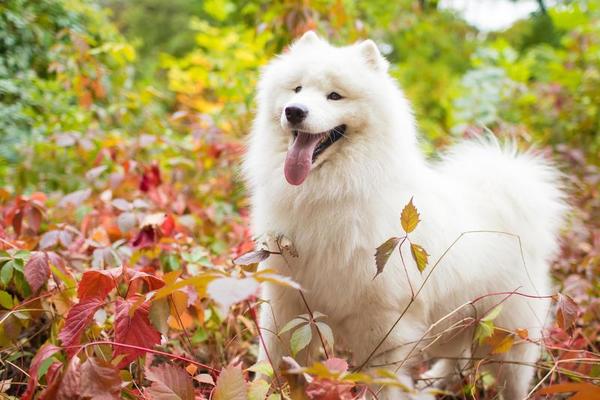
x=351 y=203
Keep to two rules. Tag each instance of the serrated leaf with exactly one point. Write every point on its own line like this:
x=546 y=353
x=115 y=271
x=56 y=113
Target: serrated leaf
x=263 y=368
x=500 y=341
x=97 y=283
x=420 y=256
x=170 y=383
x=134 y=330
x=292 y=324
x=6 y=273
x=159 y=315
x=252 y=257
x=493 y=313
x=567 y=311
x=383 y=253
x=409 y=218
x=80 y=316
x=484 y=330
x=100 y=380
x=6 y=300
x=258 y=390
x=326 y=332
x=300 y=338
x=37 y=270
x=231 y=385
x=44 y=353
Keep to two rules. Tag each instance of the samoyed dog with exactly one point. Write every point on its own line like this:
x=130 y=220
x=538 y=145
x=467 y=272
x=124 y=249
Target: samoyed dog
x=333 y=158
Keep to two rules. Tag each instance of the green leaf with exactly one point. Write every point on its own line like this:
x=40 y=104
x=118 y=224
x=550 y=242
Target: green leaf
x=484 y=330
x=6 y=300
x=159 y=314
x=231 y=385
x=300 y=338
x=258 y=390
x=409 y=218
x=419 y=255
x=263 y=368
x=383 y=253
x=493 y=313
x=6 y=273
x=292 y=324
x=326 y=332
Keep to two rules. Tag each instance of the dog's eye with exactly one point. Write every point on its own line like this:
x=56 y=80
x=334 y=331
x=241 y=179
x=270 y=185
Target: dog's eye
x=297 y=89
x=334 y=96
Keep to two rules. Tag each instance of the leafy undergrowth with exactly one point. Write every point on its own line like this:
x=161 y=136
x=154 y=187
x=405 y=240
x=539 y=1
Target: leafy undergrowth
x=127 y=289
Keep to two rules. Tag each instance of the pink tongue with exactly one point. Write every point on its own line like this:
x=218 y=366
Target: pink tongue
x=299 y=157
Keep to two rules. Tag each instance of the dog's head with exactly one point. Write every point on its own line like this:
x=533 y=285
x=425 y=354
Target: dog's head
x=318 y=99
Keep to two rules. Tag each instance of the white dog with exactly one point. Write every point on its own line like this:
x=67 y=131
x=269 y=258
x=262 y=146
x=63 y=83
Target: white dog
x=333 y=158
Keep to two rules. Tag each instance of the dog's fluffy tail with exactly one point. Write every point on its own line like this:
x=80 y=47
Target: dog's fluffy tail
x=524 y=190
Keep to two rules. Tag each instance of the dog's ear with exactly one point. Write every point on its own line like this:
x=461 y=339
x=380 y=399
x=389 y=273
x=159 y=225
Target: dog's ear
x=309 y=37
x=370 y=53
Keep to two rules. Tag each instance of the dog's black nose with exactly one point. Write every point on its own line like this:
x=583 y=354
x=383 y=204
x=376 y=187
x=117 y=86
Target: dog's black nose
x=296 y=113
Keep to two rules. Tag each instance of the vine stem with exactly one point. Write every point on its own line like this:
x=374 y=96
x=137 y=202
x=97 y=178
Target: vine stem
x=431 y=271
x=144 y=349
x=262 y=341
x=310 y=313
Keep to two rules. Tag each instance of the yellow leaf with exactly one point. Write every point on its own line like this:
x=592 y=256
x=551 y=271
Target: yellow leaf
x=500 y=341
x=419 y=255
x=409 y=217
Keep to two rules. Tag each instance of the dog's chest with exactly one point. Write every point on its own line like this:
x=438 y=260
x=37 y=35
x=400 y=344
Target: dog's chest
x=335 y=246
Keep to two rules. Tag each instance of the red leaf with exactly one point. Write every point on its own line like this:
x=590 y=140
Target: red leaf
x=100 y=380
x=583 y=390
x=79 y=317
x=150 y=178
x=566 y=315
x=134 y=330
x=152 y=281
x=170 y=382
x=146 y=237
x=326 y=389
x=37 y=270
x=46 y=351
x=53 y=381
x=97 y=283
x=71 y=381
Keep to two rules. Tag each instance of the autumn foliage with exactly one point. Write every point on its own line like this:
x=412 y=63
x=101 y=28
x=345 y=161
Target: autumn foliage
x=127 y=268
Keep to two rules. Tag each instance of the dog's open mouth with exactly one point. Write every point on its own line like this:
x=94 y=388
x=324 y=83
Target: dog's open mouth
x=305 y=150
